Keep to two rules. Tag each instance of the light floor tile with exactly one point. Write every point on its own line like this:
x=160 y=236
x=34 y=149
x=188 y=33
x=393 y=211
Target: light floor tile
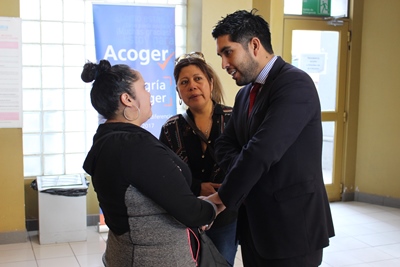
x=380 y=239
x=393 y=250
x=26 y=245
x=92 y=260
x=57 y=251
x=16 y=255
x=368 y=255
x=344 y=244
x=59 y=262
x=387 y=263
x=83 y=248
x=341 y=258
x=20 y=264
x=366 y=236
x=382 y=227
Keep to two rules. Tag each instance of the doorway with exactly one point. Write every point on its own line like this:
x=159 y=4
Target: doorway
x=320 y=49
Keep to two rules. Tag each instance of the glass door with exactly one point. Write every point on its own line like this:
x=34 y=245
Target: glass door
x=321 y=49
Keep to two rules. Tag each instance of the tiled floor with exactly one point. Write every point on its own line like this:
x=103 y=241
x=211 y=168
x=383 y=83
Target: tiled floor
x=366 y=236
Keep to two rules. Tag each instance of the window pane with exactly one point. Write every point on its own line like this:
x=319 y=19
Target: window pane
x=92 y=122
x=74 y=55
x=29 y=9
x=177 y=2
x=316 y=52
x=51 y=10
x=31 y=100
x=89 y=140
x=52 y=32
x=53 y=99
x=53 y=143
x=32 y=166
x=88 y=104
x=52 y=77
x=89 y=12
x=73 y=77
x=53 y=121
x=31 y=143
x=89 y=34
x=53 y=164
x=74 y=33
x=52 y=55
x=31 y=77
x=30 y=32
x=31 y=55
x=338 y=7
x=74 y=162
x=74 y=99
x=74 y=121
x=74 y=10
x=90 y=54
x=75 y=142
x=327 y=150
x=157 y=1
x=180 y=36
x=180 y=15
x=32 y=122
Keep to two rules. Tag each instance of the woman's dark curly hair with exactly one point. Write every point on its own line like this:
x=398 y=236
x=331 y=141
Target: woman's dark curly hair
x=109 y=83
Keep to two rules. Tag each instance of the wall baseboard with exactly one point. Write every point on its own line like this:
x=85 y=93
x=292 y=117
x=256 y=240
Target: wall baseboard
x=33 y=224
x=13 y=237
x=348 y=197
x=372 y=199
x=377 y=200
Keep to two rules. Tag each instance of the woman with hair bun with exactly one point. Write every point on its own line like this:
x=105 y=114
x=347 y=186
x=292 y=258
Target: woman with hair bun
x=143 y=188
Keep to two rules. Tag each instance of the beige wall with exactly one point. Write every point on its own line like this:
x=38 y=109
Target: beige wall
x=9 y=8
x=213 y=11
x=352 y=99
x=378 y=145
x=12 y=201
x=371 y=158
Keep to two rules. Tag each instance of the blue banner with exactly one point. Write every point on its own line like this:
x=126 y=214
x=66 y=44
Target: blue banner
x=142 y=37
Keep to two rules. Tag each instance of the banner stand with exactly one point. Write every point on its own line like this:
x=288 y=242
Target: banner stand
x=142 y=37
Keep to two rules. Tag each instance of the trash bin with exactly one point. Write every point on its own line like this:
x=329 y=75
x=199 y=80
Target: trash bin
x=62 y=208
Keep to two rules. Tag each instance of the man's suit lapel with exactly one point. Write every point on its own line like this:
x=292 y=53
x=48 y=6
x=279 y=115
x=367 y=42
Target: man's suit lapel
x=243 y=116
x=262 y=98
x=246 y=123
x=273 y=73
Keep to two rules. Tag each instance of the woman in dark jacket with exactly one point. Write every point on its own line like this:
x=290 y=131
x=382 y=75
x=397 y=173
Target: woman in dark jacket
x=142 y=186
x=199 y=88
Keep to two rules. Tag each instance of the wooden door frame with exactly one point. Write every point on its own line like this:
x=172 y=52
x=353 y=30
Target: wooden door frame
x=339 y=115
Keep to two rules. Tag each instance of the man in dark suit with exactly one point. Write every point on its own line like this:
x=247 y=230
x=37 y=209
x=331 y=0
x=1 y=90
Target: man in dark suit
x=272 y=151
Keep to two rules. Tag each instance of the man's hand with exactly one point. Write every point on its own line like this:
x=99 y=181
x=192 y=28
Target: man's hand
x=214 y=198
x=206 y=227
x=208 y=188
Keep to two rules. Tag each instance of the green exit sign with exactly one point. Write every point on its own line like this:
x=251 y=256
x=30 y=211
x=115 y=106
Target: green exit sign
x=316 y=7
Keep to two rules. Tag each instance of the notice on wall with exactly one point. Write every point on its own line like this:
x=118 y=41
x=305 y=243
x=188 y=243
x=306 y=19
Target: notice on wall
x=313 y=63
x=10 y=73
